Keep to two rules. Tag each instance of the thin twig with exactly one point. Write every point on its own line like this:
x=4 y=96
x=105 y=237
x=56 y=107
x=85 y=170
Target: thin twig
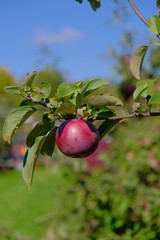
x=138 y=12
x=134 y=115
x=69 y=116
x=30 y=98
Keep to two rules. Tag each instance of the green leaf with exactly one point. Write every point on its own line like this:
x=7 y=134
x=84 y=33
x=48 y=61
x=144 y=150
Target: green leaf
x=78 y=100
x=80 y=95
x=158 y=4
x=49 y=143
x=47 y=129
x=30 y=160
x=144 y=88
x=106 y=126
x=104 y=100
x=65 y=90
x=46 y=90
x=73 y=98
x=66 y=108
x=150 y=87
x=89 y=87
x=154 y=25
x=15 y=119
x=41 y=129
x=95 y=84
x=136 y=61
x=139 y=91
x=94 y=4
x=155 y=99
x=54 y=103
x=102 y=90
x=103 y=112
x=79 y=83
x=14 y=90
x=29 y=79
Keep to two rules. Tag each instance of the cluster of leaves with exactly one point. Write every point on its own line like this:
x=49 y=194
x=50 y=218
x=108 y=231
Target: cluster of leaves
x=145 y=87
x=89 y=100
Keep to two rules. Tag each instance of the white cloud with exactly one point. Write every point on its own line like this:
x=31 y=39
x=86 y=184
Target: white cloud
x=67 y=35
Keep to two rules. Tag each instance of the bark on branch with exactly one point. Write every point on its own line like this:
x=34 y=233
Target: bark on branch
x=134 y=115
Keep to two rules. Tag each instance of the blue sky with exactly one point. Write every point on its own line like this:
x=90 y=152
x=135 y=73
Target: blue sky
x=75 y=35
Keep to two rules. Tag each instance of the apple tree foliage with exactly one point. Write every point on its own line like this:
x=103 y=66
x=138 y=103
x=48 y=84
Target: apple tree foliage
x=89 y=100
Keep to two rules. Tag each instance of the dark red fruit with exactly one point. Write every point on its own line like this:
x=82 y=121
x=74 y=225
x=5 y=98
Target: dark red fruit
x=77 y=138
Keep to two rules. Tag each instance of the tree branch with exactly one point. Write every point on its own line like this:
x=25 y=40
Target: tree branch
x=42 y=103
x=138 y=12
x=134 y=115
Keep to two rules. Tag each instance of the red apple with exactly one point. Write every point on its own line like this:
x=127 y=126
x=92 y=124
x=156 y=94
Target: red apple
x=77 y=138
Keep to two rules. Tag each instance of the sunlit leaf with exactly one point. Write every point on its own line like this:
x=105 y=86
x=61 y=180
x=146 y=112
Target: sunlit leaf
x=89 y=87
x=73 y=98
x=80 y=95
x=150 y=87
x=29 y=79
x=139 y=91
x=154 y=25
x=15 y=119
x=144 y=88
x=65 y=89
x=155 y=99
x=14 y=90
x=102 y=90
x=79 y=83
x=46 y=90
x=54 y=103
x=95 y=84
x=136 y=61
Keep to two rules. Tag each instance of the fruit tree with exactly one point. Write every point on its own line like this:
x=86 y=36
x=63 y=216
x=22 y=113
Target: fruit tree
x=79 y=114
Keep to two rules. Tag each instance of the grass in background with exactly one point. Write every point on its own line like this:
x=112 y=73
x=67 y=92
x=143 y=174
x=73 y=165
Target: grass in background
x=20 y=208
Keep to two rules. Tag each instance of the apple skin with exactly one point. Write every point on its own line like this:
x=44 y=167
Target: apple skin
x=77 y=138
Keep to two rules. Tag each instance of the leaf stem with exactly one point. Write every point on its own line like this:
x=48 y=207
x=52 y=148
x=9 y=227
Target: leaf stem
x=138 y=12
